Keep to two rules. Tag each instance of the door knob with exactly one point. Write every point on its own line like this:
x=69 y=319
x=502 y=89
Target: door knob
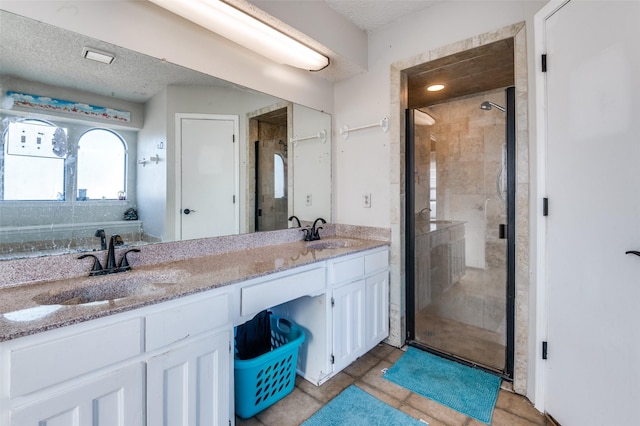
x=187 y=211
x=637 y=253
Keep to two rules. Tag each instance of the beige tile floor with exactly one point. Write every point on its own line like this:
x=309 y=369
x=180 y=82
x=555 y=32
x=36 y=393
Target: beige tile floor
x=366 y=373
x=475 y=344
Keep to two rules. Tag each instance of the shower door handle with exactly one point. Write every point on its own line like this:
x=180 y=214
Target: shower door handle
x=502 y=232
x=637 y=253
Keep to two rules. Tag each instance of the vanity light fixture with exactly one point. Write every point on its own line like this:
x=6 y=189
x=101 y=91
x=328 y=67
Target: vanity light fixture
x=98 y=55
x=435 y=87
x=244 y=29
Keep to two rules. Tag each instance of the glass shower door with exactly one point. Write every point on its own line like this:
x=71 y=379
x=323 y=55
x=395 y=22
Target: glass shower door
x=458 y=201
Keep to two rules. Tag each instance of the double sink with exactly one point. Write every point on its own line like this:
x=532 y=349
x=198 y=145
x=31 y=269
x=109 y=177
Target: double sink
x=135 y=283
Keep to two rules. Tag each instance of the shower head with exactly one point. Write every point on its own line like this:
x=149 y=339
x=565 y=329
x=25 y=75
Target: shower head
x=487 y=105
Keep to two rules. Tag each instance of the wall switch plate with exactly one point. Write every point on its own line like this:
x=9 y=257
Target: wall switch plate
x=308 y=199
x=366 y=201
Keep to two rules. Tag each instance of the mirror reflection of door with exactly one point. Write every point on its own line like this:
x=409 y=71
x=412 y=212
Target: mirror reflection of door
x=271 y=185
x=209 y=169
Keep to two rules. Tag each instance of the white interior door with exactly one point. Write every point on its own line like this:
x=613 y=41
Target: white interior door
x=209 y=176
x=593 y=184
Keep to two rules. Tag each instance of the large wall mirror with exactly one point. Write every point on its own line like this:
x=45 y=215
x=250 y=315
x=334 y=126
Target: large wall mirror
x=143 y=148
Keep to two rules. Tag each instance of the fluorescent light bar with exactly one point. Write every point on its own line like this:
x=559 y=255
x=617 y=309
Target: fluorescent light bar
x=98 y=56
x=247 y=31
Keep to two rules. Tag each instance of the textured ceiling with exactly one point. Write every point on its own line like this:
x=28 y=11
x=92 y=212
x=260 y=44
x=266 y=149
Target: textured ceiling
x=371 y=15
x=36 y=51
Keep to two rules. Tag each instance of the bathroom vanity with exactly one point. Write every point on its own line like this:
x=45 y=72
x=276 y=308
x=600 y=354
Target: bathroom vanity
x=165 y=355
x=440 y=258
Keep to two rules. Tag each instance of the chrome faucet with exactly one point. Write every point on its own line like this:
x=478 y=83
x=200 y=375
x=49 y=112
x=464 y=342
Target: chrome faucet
x=111 y=266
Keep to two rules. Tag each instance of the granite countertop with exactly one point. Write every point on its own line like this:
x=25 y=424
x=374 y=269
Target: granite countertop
x=23 y=310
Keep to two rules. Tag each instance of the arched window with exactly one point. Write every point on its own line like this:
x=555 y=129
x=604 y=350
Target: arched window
x=102 y=159
x=33 y=161
x=279 y=180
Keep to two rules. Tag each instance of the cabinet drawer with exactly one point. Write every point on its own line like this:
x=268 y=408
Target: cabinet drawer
x=55 y=361
x=186 y=319
x=346 y=270
x=376 y=261
x=255 y=298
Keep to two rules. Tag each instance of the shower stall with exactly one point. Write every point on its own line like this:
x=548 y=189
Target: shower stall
x=460 y=232
x=268 y=178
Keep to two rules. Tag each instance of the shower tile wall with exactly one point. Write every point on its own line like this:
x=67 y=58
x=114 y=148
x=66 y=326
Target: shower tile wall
x=274 y=210
x=469 y=152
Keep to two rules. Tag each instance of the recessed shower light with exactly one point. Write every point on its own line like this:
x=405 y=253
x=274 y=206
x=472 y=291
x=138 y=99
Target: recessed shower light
x=435 y=87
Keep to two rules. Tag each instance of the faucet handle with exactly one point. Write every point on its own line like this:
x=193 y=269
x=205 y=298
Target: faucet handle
x=96 y=269
x=307 y=234
x=316 y=236
x=124 y=262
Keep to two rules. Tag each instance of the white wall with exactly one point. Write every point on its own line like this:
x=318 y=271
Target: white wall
x=151 y=179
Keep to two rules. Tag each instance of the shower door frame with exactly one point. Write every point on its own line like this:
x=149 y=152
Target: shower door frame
x=510 y=141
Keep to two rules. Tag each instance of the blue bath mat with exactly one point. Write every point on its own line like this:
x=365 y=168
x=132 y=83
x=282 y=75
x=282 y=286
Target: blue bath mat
x=468 y=390
x=355 y=407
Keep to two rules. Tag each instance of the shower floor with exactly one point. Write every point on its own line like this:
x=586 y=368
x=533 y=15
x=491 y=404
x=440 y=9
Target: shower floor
x=468 y=320
x=461 y=340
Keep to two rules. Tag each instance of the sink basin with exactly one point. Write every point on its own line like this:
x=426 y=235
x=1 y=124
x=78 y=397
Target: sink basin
x=328 y=244
x=111 y=287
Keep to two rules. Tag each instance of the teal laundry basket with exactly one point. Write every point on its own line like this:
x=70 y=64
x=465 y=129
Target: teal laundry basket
x=262 y=381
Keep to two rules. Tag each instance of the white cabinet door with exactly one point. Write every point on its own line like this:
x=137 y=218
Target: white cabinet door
x=348 y=324
x=376 y=309
x=190 y=385
x=114 y=399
